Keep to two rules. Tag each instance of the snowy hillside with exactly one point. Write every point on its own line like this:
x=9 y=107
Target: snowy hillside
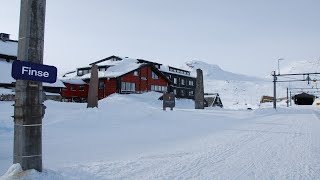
x=236 y=90
x=310 y=66
x=211 y=71
x=131 y=137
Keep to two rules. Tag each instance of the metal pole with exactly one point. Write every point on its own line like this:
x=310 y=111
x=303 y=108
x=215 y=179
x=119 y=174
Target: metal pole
x=290 y=99
x=28 y=108
x=279 y=65
x=287 y=97
x=274 y=90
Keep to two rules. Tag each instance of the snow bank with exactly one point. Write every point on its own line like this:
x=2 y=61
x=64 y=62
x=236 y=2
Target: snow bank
x=16 y=172
x=131 y=137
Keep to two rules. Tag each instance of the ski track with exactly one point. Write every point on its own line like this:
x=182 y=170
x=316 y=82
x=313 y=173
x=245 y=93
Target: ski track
x=269 y=148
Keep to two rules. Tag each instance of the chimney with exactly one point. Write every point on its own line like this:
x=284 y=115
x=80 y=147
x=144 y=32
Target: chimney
x=4 y=36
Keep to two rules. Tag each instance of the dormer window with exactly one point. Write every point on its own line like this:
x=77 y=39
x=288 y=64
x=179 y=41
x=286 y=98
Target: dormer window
x=80 y=72
x=154 y=75
x=102 y=69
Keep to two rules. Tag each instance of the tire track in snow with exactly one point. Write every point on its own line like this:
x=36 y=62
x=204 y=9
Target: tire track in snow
x=267 y=151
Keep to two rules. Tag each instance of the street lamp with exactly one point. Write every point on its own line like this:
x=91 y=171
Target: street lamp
x=281 y=59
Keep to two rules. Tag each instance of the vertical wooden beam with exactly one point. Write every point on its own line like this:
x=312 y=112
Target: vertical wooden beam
x=28 y=108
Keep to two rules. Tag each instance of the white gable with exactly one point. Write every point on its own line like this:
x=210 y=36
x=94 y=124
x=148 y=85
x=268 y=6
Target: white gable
x=9 y=48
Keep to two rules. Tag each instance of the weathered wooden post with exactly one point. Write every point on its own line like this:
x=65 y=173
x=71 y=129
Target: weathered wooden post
x=199 y=92
x=93 y=88
x=28 y=108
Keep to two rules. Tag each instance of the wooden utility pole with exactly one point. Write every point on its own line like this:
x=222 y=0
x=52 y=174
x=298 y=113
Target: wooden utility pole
x=199 y=92
x=93 y=88
x=28 y=108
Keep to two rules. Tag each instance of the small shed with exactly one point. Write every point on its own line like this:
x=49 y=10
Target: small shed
x=304 y=99
x=265 y=99
x=212 y=100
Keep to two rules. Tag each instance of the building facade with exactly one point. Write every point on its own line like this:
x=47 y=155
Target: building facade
x=138 y=78
x=125 y=75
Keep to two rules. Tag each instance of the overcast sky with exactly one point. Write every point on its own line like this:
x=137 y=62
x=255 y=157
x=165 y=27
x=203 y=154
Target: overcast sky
x=242 y=36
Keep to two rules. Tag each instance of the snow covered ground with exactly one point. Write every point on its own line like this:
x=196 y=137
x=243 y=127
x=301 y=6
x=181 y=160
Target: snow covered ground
x=130 y=137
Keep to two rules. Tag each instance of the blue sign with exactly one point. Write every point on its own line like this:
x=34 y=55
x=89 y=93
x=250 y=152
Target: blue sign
x=25 y=70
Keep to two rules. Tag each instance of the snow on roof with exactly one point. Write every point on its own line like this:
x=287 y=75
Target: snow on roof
x=165 y=68
x=58 y=83
x=9 y=48
x=5 y=72
x=74 y=80
x=69 y=74
x=6 y=91
x=119 y=68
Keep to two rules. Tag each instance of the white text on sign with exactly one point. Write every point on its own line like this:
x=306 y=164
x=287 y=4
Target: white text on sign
x=33 y=72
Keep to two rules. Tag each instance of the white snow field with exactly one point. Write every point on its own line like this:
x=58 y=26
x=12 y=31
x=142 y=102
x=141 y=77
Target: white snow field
x=131 y=137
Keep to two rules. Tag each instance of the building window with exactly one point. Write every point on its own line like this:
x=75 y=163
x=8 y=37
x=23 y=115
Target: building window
x=80 y=72
x=86 y=71
x=135 y=73
x=190 y=83
x=182 y=81
x=154 y=75
x=72 y=88
x=191 y=93
x=81 y=88
x=175 y=80
x=101 y=85
x=102 y=69
x=159 y=88
x=128 y=87
x=175 y=92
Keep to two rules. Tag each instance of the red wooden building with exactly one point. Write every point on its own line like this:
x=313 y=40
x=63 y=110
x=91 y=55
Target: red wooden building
x=115 y=76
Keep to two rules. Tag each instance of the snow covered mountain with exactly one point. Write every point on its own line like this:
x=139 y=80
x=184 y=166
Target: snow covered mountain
x=236 y=90
x=241 y=91
x=212 y=71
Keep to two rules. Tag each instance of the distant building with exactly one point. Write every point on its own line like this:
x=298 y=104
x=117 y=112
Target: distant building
x=265 y=99
x=8 y=54
x=212 y=100
x=304 y=99
x=126 y=75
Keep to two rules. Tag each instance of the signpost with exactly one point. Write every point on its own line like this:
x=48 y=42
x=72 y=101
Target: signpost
x=168 y=101
x=28 y=107
x=34 y=72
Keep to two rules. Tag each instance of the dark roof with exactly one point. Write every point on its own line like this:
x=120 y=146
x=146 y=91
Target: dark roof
x=7 y=57
x=304 y=95
x=106 y=59
x=145 y=61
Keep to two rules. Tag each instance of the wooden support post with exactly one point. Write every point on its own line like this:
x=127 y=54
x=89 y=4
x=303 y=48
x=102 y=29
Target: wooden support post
x=28 y=108
x=199 y=92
